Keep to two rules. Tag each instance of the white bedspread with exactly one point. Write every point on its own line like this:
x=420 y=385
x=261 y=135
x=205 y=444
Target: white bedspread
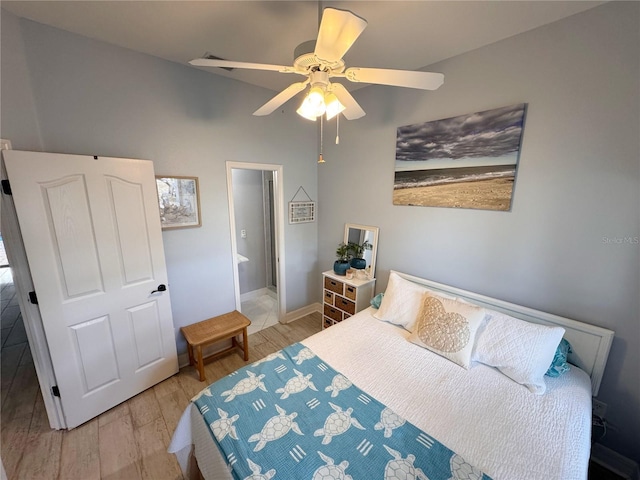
x=494 y=423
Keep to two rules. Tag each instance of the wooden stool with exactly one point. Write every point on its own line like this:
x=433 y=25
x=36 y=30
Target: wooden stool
x=214 y=330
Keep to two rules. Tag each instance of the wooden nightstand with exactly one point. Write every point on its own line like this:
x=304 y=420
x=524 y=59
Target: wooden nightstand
x=343 y=298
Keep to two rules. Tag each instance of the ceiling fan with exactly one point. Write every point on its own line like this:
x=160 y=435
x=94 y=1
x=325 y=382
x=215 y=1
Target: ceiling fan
x=320 y=60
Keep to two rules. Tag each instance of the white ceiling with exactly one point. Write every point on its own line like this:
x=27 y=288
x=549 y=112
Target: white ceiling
x=405 y=35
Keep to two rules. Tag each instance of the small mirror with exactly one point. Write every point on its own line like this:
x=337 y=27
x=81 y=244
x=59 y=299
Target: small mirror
x=360 y=234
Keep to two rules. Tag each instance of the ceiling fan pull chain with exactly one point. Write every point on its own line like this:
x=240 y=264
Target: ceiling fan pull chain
x=320 y=159
x=338 y=129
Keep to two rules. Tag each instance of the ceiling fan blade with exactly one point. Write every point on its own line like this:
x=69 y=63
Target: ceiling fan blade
x=209 y=62
x=281 y=98
x=339 y=29
x=398 y=78
x=352 y=110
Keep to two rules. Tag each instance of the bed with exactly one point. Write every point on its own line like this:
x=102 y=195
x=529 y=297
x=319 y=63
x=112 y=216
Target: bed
x=492 y=424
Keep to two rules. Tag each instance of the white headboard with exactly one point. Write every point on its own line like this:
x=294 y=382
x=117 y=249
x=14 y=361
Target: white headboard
x=590 y=344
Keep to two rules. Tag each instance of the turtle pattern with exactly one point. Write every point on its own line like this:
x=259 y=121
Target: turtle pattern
x=446 y=332
x=268 y=358
x=276 y=427
x=304 y=354
x=461 y=470
x=388 y=421
x=337 y=423
x=296 y=384
x=402 y=468
x=228 y=424
x=206 y=392
x=244 y=386
x=224 y=426
x=339 y=383
x=331 y=471
x=256 y=472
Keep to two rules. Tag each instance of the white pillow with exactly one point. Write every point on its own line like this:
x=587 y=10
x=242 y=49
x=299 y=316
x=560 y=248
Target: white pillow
x=401 y=302
x=521 y=350
x=448 y=327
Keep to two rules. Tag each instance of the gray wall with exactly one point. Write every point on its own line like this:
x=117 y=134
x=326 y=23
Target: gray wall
x=248 y=202
x=18 y=115
x=578 y=183
x=88 y=97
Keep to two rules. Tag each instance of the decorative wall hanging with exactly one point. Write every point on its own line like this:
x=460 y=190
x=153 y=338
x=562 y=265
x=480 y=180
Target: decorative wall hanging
x=302 y=211
x=179 y=200
x=469 y=161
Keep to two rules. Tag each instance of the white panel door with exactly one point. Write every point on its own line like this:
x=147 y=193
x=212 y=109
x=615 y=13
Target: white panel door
x=92 y=234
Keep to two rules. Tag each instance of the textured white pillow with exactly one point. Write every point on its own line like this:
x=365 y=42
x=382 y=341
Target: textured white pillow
x=521 y=350
x=401 y=302
x=448 y=327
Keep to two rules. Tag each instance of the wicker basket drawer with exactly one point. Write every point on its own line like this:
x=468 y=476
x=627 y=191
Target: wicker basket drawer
x=328 y=322
x=333 y=313
x=328 y=297
x=350 y=292
x=345 y=305
x=333 y=285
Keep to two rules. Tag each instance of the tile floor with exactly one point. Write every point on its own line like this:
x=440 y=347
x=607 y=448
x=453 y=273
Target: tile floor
x=262 y=311
x=3 y=254
x=15 y=355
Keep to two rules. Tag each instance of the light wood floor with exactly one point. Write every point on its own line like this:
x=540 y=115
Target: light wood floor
x=129 y=441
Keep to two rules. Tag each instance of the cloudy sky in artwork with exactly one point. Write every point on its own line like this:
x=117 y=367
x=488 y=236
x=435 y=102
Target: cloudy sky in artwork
x=484 y=137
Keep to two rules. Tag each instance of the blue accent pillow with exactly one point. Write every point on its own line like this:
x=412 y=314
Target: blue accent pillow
x=559 y=364
x=377 y=300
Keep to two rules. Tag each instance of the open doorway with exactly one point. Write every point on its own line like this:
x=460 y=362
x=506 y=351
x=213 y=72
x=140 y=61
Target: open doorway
x=257 y=223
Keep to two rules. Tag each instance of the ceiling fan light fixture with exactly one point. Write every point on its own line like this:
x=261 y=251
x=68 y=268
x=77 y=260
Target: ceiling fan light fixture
x=334 y=107
x=321 y=60
x=313 y=105
x=304 y=114
x=315 y=100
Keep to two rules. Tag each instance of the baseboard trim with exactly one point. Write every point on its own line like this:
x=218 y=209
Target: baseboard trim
x=254 y=294
x=301 y=312
x=183 y=360
x=614 y=462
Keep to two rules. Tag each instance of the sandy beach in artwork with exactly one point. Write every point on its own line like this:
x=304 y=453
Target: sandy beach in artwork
x=490 y=194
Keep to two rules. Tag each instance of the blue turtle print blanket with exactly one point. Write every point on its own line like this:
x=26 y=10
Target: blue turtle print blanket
x=291 y=416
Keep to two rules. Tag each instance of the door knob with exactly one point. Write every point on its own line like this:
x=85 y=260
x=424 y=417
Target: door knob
x=161 y=288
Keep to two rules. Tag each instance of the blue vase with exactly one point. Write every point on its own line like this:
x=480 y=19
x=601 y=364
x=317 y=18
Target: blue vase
x=358 y=263
x=340 y=267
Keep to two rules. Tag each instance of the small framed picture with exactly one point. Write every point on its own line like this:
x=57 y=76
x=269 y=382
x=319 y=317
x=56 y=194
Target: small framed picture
x=179 y=200
x=302 y=212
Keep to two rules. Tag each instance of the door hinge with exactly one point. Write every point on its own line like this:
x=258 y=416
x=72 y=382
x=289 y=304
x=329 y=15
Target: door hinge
x=33 y=298
x=6 y=187
x=55 y=390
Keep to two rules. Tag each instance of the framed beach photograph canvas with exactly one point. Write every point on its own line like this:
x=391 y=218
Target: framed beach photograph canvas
x=469 y=161
x=179 y=202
